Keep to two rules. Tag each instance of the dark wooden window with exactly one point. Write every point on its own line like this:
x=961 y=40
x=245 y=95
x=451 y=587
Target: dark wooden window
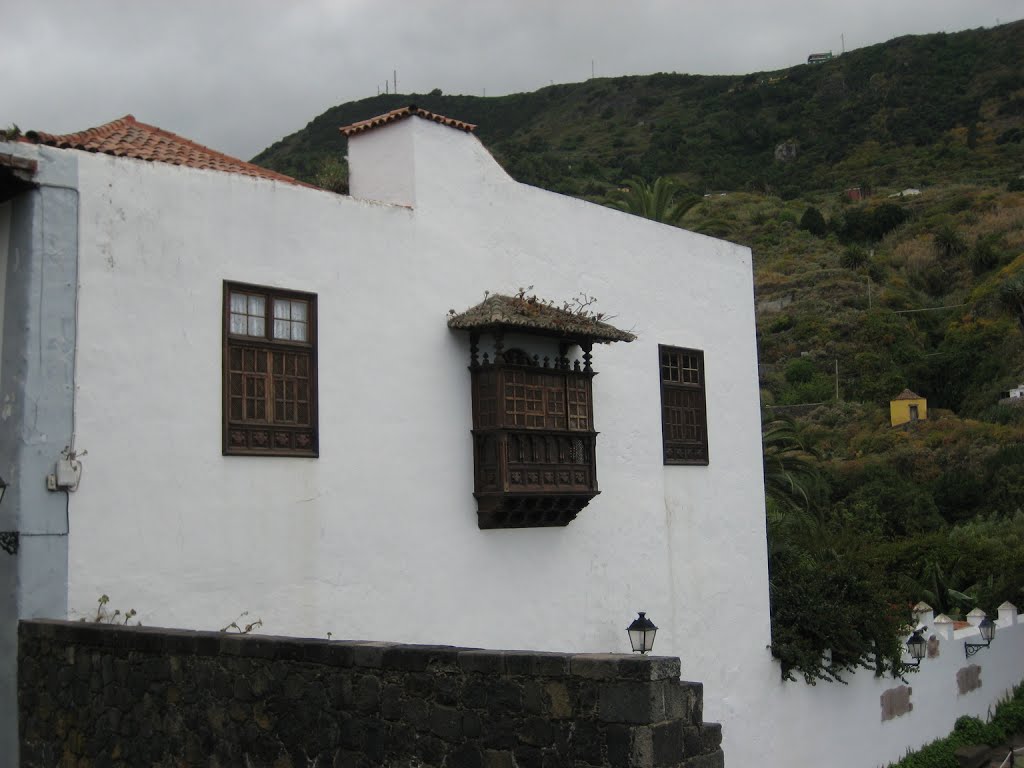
x=684 y=421
x=269 y=372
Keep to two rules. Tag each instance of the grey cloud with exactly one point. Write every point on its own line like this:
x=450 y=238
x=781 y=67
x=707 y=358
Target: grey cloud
x=237 y=75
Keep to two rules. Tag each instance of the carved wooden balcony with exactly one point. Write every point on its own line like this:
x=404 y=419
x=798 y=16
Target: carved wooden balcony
x=534 y=442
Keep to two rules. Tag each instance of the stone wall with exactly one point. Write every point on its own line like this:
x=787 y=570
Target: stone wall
x=100 y=695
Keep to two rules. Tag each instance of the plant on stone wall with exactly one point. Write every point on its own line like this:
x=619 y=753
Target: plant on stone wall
x=105 y=616
x=242 y=629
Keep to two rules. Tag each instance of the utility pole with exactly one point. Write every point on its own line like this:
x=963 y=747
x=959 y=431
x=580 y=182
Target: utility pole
x=394 y=73
x=842 y=41
x=591 y=69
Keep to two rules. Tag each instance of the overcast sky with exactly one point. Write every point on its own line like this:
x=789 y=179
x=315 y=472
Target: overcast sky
x=239 y=74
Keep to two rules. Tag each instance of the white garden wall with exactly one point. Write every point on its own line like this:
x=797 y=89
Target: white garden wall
x=842 y=725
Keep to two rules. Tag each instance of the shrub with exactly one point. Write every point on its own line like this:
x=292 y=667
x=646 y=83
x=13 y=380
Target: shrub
x=800 y=371
x=867 y=225
x=812 y=221
x=969 y=731
x=986 y=254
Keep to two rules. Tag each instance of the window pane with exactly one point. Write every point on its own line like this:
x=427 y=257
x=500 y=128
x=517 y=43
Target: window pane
x=290 y=320
x=247 y=314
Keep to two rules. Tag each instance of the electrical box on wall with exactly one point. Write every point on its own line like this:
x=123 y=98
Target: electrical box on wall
x=68 y=472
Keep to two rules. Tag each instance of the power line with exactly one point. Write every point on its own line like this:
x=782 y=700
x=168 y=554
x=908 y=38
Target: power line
x=928 y=309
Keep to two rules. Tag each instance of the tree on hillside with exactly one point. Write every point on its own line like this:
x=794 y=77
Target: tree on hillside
x=814 y=222
x=662 y=201
x=1011 y=296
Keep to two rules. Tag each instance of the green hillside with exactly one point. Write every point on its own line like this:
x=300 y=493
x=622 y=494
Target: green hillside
x=859 y=295
x=877 y=116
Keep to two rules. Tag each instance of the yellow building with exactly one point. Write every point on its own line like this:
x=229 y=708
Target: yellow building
x=907 y=407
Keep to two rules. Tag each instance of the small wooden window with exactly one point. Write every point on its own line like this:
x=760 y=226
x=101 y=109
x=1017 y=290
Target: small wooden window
x=269 y=386
x=684 y=421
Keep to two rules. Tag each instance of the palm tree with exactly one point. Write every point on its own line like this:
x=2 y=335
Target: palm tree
x=792 y=477
x=949 y=243
x=661 y=201
x=794 y=488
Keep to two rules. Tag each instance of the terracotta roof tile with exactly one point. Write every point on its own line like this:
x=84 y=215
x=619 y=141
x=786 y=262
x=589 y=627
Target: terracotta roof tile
x=127 y=137
x=528 y=314
x=906 y=394
x=401 y=114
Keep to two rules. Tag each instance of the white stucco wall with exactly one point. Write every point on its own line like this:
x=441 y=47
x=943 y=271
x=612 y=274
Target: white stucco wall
x=384 y=167
x=5 y=237
x=377 y=538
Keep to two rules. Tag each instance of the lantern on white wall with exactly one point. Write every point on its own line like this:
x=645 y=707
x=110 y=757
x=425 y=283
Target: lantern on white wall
x=641 y=634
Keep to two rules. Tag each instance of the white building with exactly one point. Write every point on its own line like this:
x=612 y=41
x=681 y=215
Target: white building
x=277 y=416
x=377 y=536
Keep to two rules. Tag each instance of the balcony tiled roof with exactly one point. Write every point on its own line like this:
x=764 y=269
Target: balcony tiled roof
x=128 y=137
x=400 y=114
x=514 y=313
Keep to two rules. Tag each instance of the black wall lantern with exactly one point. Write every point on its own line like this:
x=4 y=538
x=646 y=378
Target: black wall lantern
x=916 y=646
x=641 y=634
x=987 y=627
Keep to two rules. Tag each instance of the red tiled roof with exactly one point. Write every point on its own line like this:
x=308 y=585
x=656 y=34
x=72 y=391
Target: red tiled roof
x=127 y=137
x=906 y=394
x=401 y=114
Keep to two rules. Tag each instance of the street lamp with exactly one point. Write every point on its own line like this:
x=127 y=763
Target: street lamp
x=987 y=627
x=916 y=645
x=641 y=634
